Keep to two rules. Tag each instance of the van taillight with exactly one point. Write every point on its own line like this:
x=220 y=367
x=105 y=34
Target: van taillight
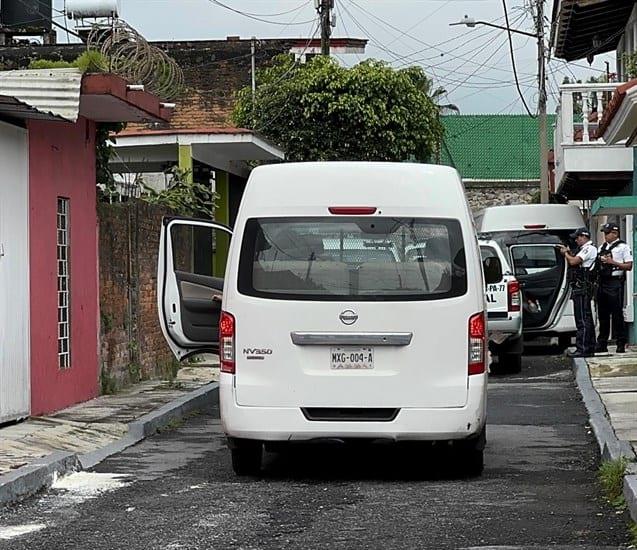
x=226 y=342
x=513 y=289
x=352 y=210
x=477 y=344
x=535 y=226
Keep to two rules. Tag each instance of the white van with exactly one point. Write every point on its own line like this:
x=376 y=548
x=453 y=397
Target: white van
x=529 y=235
x=331 y=326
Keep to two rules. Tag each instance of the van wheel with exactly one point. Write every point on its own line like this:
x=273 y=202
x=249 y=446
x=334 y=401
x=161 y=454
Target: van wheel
x=510 y=362
x=471 y=454
x=474 y=463
x=246 y=457
x=564 y=341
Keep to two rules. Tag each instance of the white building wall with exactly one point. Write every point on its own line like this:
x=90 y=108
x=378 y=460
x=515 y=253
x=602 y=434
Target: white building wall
x=14 y=274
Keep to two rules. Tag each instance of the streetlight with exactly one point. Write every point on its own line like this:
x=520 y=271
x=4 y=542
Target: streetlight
x=539 y=36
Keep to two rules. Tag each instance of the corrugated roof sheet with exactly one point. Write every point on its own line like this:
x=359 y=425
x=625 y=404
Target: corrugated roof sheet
x=54 y=92
x=494 y=147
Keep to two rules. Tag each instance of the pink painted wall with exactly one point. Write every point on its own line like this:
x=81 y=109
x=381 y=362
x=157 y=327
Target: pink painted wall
x=62 y=164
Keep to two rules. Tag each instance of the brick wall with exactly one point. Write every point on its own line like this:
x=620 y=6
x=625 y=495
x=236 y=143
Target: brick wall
x=132 y=346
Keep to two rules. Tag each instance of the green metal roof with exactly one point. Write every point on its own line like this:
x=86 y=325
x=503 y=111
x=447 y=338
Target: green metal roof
x=614 y=206
x=494 y=147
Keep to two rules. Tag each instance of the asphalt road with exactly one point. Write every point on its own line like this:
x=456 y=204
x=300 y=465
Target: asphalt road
x=177 y=490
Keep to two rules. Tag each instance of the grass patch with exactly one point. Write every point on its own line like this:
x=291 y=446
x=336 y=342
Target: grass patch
x=172 y=425
x=611 y=477
x=108 y=384
x=633 y=533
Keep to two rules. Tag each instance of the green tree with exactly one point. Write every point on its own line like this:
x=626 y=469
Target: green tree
x=322 y=111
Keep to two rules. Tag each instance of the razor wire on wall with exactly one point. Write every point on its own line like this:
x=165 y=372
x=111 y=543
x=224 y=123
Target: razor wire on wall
x=129 y=55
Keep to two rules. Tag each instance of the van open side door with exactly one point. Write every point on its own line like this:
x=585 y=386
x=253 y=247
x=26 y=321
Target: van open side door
x=190 y=284
x=541 y=270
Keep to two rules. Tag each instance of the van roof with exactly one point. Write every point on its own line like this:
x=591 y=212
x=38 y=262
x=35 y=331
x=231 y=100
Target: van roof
x=524 y=217
x=394 y=188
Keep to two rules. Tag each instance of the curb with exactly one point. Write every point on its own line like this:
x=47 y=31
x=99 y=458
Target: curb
x=41 y=473
x=610 y=447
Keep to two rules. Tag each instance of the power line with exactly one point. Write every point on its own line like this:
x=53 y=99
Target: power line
x=429 y=46
x=257 y=18
x=486 y=84
x=515 y=71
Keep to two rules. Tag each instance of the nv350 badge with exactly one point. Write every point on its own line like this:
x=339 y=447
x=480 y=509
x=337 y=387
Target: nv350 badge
x=256 y=353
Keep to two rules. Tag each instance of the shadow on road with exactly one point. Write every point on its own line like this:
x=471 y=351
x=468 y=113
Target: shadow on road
x=381 y=461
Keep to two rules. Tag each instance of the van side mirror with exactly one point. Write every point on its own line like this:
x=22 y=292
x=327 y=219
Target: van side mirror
x=492 y=270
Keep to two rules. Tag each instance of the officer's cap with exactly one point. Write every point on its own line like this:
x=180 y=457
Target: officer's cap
x=581 y=232
x=608 y=227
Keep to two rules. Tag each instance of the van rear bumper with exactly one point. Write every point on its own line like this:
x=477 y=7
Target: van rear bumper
x=289 y=423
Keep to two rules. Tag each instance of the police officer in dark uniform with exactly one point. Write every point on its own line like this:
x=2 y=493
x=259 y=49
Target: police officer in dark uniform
x=580 y=272
x=615 y=259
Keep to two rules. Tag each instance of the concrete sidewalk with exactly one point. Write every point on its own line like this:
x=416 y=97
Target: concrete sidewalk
x=33 y=452
x=608 y=383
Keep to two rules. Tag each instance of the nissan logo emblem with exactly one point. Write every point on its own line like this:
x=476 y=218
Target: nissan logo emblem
x=348 y=317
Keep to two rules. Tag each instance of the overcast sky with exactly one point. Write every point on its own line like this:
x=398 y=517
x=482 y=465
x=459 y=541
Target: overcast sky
x=473 y=65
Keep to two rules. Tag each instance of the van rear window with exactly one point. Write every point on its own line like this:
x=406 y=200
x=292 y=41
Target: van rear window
x=348 y=258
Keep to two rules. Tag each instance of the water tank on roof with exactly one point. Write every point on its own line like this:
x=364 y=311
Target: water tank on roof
x=32 y=14
x=80 y=9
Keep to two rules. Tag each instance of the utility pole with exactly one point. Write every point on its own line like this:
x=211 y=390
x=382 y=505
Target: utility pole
x=324 y=8
x=253 y=49
x=541 y=75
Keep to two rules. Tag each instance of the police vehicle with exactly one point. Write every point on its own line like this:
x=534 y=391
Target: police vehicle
x=504 y=310
x=530 y=235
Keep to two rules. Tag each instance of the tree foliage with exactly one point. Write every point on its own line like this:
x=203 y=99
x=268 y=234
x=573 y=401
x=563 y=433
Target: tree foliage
x=322 y=111
x=185 y=196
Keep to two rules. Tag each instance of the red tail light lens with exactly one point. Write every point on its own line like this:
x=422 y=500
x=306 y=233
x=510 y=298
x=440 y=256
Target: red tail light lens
x=352 y=210
x=515 y=301
x=535 y=226
x=477 y=344
x=226 y=342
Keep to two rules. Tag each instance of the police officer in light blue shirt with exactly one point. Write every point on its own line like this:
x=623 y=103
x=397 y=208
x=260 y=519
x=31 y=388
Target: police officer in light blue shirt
x=580 y=266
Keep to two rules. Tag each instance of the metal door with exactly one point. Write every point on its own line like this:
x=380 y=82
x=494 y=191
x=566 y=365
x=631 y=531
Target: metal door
x=14 y=274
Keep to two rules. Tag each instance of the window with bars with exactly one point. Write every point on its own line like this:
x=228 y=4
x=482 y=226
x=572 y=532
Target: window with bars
x=64 y=325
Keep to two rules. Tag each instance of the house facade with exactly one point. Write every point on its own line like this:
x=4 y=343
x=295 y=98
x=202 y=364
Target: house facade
x=49 y=269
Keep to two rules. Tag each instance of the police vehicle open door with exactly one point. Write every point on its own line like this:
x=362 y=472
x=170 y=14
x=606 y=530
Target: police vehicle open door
x=190 y=278
x=541 y=270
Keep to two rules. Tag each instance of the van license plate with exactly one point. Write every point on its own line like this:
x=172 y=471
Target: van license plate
x=352 y=358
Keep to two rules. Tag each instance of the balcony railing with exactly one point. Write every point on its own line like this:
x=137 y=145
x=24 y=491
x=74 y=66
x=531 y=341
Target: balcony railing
x=581 y=109
x=580 y=150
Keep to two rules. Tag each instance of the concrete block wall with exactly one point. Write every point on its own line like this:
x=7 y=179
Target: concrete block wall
x=484 y=194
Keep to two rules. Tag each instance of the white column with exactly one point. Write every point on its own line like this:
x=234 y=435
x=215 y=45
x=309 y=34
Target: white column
x=567 y=117
x=585 y=112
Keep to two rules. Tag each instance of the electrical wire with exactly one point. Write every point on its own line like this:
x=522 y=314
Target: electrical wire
x=360 y=59
x=294 y=65
x=515 y=71
x=488 y=83
x=257 y=18
x=298 y=8
x=431 y=46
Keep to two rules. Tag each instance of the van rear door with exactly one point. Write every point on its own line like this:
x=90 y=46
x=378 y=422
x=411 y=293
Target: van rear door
x=541 y=270
x=362 y=311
